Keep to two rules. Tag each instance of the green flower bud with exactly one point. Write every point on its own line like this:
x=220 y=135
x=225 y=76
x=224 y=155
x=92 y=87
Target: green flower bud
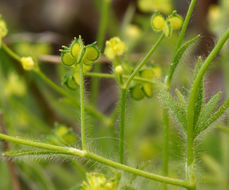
x=157 y=22
x=69 y=81
x=118 y=69
x=175 y=20
x=136 y=92
x=67 y=58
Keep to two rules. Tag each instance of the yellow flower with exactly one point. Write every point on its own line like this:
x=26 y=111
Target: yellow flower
x=114 y=47
x=132 y=31
x=14 y=86
x=164 y=6
x=27 y=63
x=213 y=13
x=97 y=181
x=3 y=28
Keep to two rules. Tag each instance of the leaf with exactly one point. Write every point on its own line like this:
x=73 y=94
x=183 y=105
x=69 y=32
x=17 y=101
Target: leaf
x=217 y=114
x=206 y=112
x=178 y=56
x=181 y=99
x=174 y=108
x=200 y=92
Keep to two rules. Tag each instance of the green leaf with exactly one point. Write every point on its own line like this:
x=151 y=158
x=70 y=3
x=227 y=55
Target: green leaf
x=206 y=112
x=200 y=92
x=217 y=114
x=181 y=99
x=178 y=56
x=174 y=108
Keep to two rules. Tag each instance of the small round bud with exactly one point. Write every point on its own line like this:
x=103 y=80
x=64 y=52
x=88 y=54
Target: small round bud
x=114 y=47
x=175 y=20
x=119 y=69
x=157 y=22
x=69 y=81
x=27 y=63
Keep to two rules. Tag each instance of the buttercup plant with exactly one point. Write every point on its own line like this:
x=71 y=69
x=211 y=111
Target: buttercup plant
x=144 y=80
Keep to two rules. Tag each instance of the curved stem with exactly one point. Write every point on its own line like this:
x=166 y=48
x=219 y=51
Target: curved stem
x=122 y=123
x=95 y=157
x=144 y=60
x=186 y=22
x=11 y=53
x=82 y=114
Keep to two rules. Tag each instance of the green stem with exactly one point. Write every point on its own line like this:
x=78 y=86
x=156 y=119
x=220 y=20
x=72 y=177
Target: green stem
x=165 y=144
x=192 y=98
x=122 y=123
x=82 y=107
x=11 y=53
x=144 y=60
x=112 y=76
x=100 y=38
x=86 y=154
x=186 y=22
x=168 y=81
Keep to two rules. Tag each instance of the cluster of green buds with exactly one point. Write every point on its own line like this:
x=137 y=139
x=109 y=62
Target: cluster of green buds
x=62 y=135
x=3 y=29
x=75 y=54
x=140 y=90
x=166 y=25
x=97 y=181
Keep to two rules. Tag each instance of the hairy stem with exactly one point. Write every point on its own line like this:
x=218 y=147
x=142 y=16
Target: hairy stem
x=122 y=123
x=165 y=144
x=86 y=154
x=186 y=22
x=82 y=111
x=192 y=99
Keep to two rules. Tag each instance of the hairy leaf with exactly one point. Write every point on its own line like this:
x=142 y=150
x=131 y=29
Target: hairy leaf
x=174 y=108
x=178 y=56
x=217 y=114
x=206 y=112
x=200 y=93
x=181 y=100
